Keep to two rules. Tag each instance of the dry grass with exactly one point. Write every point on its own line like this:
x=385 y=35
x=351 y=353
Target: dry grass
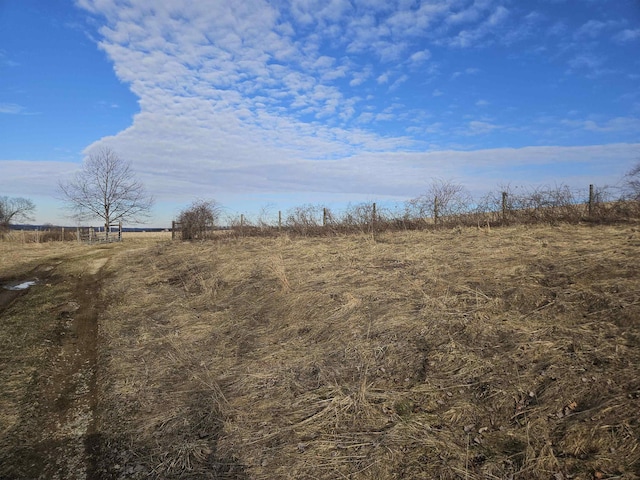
x=16 y=238
x=510 y=353
x=151 y=236
x=15 y=254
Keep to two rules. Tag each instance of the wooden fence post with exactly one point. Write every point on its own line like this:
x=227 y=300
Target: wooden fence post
x=173 y=229
x=324 y=217
x=504 y=206
x=279 y=219
x=241 y=224
x=435 y=210
x=62 y=236
x=591 y=199
x=373 y=219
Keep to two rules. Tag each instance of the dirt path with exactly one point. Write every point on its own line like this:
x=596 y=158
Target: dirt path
x=71 y=394
x=52 y=438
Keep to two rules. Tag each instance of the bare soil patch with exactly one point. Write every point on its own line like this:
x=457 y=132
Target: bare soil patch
x=48 y=362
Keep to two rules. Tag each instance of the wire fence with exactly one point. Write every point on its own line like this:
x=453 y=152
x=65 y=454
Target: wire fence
x=445 y=205
x=78 y=234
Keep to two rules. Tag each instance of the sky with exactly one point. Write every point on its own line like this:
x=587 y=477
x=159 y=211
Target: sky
x=265 y=105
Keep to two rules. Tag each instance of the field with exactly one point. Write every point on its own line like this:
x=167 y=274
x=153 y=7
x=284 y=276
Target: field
x=454 y=354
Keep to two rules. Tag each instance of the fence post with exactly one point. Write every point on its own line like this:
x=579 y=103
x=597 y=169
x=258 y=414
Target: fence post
x=324 y=217
x=373 y=218
x=78 y=234
x=435 y=210
x=591 y=199
x=173 y=229
x=279 y=219
x=504 y=206
x=241 y=224
x=120 y=231
x=62 y=230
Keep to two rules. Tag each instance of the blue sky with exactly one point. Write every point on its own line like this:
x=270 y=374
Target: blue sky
x=284 y=103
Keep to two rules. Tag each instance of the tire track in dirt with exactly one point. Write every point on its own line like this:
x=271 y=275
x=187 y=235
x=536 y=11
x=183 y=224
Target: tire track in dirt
x=72 y=391
x=53 y=438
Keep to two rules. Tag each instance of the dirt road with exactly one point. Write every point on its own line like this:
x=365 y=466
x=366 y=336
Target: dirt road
x=48 y=369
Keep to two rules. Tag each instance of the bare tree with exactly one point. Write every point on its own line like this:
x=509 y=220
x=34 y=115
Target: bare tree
x=106 y=188
x=631 y=185
x=14 y=209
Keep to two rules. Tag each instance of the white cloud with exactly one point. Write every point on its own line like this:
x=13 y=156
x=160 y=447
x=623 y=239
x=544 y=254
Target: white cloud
x=6 y=61
x=477 y=127
x=617 y=124
x=360 y=77
x=399 y=81
x=477 y=35
x=586 y=61
x=28 y=178
x=362 y=174
x=420 y=57
x=594 y=28
x=467 y=71
x=11 y=108
x=389 y=51
x=385 y=117
x=627 y=36
x=251 y=96
x=384 y=78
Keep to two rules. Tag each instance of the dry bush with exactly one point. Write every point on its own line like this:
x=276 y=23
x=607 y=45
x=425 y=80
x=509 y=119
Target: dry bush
x=308 y=220
x=631 y=184
x=509 y=353
x=244 y=227
x=198 y=221
x=540 y=205
x=614 y=205
x=359 y=218
x=444 y=203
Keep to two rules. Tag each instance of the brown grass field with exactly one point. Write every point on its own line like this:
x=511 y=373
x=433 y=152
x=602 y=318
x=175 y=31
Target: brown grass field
x=510 y=353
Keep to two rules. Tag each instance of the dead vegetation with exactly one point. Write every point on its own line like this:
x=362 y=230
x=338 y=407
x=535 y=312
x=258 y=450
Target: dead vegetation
x=465 y=353
x=449 y=205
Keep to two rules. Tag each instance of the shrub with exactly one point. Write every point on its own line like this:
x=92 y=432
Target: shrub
x=444 y=203
x=198 y=220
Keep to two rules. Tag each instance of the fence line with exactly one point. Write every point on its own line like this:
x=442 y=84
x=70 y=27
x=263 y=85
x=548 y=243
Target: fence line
x=69 y=234
x=541 y=205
